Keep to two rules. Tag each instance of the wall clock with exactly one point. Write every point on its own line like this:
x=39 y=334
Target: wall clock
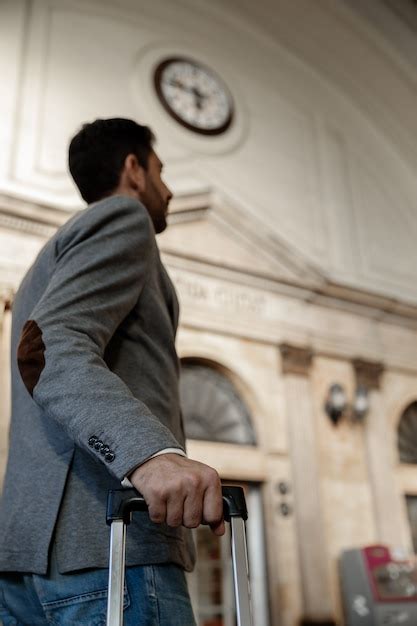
x=194 y=96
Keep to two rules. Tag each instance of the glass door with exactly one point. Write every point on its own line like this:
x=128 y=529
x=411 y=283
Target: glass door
x=211 y=584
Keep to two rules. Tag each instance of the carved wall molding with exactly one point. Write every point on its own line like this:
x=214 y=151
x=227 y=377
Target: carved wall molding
x=26 y=226
x=368 y=373
x=330 y=295
x=31 y=217
x=296 y=360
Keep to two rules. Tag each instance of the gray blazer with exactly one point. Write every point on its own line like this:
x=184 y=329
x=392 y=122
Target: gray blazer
x=94 y=392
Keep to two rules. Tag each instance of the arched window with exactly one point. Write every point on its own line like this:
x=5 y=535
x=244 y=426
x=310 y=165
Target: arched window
x=407 y=435
x=212 y=407
x=407 y=449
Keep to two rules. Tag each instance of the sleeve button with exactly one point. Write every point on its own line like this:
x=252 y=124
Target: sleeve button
x=92 y=441
x=104 y=450
x=109 y=457
x=98 y=444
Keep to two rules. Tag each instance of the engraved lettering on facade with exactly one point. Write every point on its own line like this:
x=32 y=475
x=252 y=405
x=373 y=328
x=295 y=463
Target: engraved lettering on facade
x=191 y=288
x=224 y=297
x=239 y=300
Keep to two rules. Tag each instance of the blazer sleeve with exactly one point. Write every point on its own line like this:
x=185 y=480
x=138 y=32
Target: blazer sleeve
x=101 y=266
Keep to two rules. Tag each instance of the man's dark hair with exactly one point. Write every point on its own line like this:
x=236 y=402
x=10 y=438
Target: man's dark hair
x=98 y=151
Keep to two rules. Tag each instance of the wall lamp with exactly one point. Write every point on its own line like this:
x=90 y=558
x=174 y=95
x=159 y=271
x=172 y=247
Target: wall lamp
x=337 y=404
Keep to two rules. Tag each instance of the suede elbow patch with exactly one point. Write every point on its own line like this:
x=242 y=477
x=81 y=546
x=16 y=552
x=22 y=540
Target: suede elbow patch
x=31 y=355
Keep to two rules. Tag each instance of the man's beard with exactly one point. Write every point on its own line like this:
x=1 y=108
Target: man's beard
x=156 y=206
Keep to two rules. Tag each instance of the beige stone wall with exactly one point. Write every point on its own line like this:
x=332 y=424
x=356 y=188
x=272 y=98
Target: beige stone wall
x=308 y=508
x=343 y=471
x=312 y=195
x=282 y=547
x=346 y=477
x=344 y=485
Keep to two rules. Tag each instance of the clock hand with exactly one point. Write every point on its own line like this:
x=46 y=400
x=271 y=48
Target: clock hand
x=199 y=98
x=180 y=85
x=177 y=83
x=198 y=94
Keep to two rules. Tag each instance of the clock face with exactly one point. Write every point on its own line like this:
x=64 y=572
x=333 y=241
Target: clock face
x=194 y=96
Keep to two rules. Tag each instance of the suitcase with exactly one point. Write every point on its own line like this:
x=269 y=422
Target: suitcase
x=120 y=505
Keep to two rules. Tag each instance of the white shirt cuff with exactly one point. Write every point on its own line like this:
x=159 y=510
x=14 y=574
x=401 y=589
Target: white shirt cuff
x=126 y=482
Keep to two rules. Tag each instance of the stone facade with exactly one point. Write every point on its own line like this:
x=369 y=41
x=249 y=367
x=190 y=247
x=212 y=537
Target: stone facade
x=291 y=240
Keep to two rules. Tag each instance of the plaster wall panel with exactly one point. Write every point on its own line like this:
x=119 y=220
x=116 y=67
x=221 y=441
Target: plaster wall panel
x=337 y=195
x=284 y=173
x=370 y=211
x=77 y=68
x=385 y=221
x=349 y=53
x=83 y=60
x=13 y=23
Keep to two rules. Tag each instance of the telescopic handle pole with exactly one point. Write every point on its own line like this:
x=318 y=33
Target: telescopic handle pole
x=122 y=503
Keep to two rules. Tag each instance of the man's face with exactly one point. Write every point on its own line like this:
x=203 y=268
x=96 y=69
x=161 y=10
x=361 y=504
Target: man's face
x=157 y=195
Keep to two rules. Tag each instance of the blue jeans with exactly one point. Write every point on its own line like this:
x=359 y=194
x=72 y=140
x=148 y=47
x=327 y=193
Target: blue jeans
x=155 y=595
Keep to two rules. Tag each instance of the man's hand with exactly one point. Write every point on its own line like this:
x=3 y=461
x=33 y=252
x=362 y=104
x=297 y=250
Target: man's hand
x=179 y=491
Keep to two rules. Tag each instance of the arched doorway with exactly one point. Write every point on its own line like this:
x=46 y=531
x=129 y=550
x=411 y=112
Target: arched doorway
x=215 y=411
x=407 y=451
x=212 y=406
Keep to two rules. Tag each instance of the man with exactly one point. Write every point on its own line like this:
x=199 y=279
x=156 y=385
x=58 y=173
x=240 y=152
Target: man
x=95 y=403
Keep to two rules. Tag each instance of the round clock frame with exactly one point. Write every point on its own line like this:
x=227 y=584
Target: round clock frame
x=198 y=67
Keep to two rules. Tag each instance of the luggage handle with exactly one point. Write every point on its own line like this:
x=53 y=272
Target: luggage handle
x=120 y=505
x=122 y=502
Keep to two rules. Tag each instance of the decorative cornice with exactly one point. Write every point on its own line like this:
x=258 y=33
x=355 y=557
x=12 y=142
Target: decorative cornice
x=368 y=373
x=295 y=360
x=307 y=285
x=33 y=210
x=24 y=225
x=29 y=217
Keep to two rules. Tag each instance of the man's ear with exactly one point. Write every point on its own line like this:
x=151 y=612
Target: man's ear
x=135 y=175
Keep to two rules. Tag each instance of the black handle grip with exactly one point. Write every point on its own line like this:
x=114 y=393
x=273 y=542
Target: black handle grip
x=122 y=502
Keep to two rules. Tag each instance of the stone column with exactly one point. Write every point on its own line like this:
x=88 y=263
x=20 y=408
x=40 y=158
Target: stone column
x=296 y=363
x=5 y=331
x=387 y=502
